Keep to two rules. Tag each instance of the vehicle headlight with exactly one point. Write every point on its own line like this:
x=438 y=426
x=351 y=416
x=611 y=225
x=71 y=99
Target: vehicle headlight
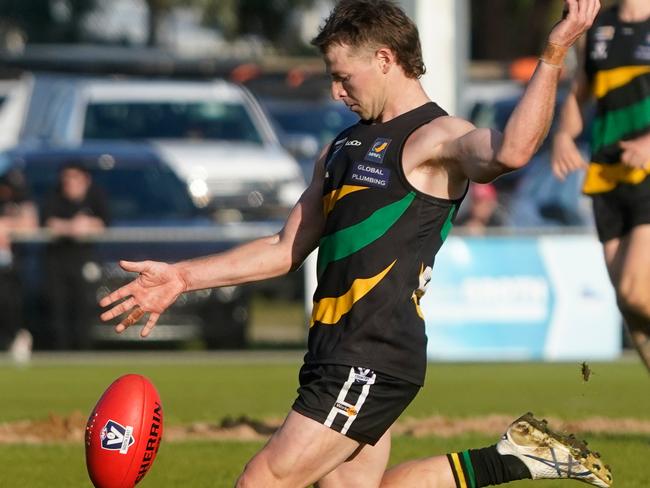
x=91 y=272
x=198 y=189
x=255 y=199
x=290 y=192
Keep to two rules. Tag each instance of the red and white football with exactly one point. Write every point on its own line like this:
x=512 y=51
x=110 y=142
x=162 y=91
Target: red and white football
x=123 y=433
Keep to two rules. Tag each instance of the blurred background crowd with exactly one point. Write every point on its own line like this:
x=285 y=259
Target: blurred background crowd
x=165 y=129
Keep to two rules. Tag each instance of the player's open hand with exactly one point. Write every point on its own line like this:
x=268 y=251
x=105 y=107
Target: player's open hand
x=579 y=16
x=565 y=157
x=157 y=286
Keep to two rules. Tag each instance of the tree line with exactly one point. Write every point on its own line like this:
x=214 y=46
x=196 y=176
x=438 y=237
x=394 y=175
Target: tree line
x=500 y=29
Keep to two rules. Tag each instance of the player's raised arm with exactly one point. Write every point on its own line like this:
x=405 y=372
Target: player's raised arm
x=158 y=285
x=484 y=154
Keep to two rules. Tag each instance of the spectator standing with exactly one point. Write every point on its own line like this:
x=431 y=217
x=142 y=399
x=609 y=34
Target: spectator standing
x=17 y=213
x=74 y=211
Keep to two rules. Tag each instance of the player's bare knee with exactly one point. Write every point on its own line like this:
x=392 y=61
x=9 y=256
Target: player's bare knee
x=250 y=479
x=251 y=476
x=259 y=472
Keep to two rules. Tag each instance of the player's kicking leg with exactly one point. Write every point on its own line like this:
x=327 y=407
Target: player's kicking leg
x=304 y=451
x=527 y=450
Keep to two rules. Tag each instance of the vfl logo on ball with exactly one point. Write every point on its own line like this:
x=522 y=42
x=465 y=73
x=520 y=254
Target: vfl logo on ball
x=378 y=150
x=116 y=437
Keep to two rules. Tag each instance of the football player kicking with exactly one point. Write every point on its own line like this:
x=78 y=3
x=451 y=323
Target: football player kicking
x=382 y=200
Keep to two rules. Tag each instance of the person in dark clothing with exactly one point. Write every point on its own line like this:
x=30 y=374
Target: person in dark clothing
x=17 y=213
x=74 y=211
x=615 y=74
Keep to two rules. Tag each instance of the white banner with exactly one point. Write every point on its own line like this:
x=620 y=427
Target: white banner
x=521 y=298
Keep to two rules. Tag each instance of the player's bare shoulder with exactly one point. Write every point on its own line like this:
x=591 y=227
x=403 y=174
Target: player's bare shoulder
x=427 y=145
x=428 y=162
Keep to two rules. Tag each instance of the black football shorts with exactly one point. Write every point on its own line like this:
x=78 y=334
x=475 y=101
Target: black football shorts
x=617 y=212
x=357 y=402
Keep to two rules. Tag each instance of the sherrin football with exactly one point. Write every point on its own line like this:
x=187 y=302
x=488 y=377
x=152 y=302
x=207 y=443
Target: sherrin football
x=123 y=433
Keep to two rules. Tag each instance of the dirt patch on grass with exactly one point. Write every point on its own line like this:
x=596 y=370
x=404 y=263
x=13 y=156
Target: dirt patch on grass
x=71 y=428
x=440 y=426
x=55 y=428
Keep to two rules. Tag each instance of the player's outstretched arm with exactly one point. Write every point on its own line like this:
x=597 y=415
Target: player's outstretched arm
x=485 y=154
x=158 y=285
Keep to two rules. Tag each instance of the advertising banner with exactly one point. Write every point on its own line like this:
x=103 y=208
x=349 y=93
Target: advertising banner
x=521 y=298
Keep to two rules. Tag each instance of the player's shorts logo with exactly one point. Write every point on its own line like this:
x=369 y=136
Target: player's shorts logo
x=378 y=150
x=363 y=375
x=116 y=437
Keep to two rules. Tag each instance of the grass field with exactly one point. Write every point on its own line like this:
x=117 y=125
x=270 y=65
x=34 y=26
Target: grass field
x=198 y=387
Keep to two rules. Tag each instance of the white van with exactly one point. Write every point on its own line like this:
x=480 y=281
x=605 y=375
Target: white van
x=212 y=133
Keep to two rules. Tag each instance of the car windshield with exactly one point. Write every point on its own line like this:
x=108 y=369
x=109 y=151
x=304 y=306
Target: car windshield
x=212 y=120
x=134 y=194
x=495 y=114
x=321 y=121
x=139 y=194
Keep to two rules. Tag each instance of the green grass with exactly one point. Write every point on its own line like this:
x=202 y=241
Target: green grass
x=209 y=390
x=217 y=464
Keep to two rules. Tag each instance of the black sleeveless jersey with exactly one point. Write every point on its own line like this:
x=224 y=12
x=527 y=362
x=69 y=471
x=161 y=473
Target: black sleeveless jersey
x=618 y=68
x=376 y=253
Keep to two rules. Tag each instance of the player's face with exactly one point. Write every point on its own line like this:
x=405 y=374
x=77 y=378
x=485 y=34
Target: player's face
x=357 y=79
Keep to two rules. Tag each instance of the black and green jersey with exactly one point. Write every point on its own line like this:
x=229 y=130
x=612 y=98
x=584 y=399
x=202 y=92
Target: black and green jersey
x=377 y=251
x=618 y=68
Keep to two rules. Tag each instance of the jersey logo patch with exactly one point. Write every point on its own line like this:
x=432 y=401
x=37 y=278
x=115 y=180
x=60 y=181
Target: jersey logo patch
x=605 y=33
x=377 y=150
x=642 y=53
x=364 y=174
x=600 y=50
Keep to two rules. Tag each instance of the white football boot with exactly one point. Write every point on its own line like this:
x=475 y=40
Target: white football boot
x=549 y=455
